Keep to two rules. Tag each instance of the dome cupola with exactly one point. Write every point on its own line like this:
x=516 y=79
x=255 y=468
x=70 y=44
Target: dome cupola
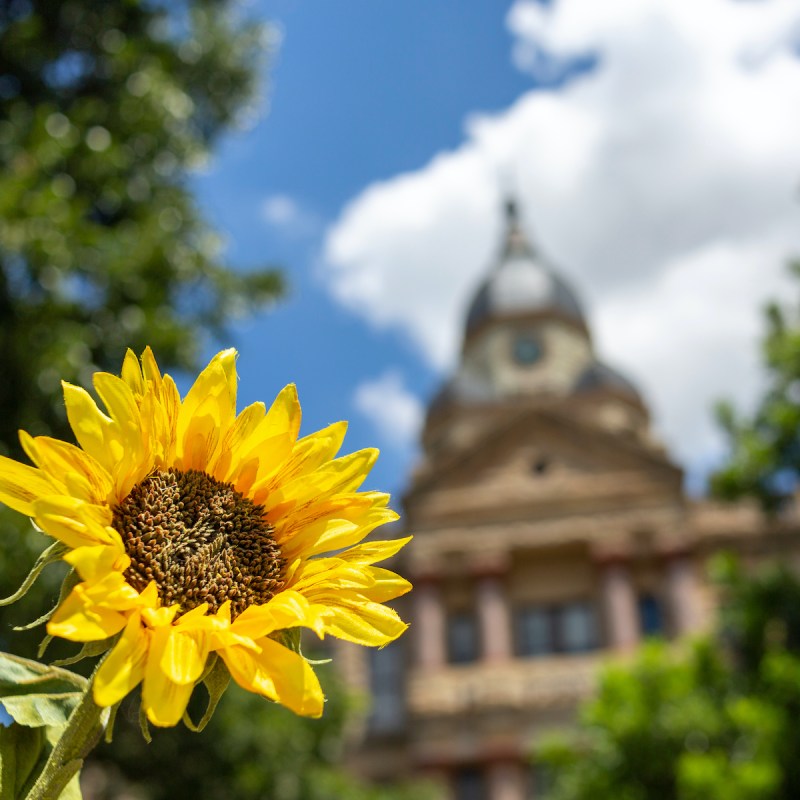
x=521 y=284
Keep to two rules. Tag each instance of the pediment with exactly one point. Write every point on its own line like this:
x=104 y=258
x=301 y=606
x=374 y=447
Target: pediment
x=543 y=452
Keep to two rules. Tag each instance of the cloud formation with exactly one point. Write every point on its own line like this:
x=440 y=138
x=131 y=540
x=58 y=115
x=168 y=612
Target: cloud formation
x=284 y=213
x=392 y=409
x=664 y=183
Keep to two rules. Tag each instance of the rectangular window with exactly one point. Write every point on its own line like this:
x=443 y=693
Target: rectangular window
x=462 y=638
x=651 y=617
x=535 y=631
x=546 y=630
x=469 y=784
x=386 y=682
x=577 y=628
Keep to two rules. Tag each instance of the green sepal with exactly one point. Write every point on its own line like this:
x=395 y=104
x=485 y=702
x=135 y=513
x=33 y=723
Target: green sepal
x=144 y=725
x=44 y=644
x=290 y=637
x=216 y=679
x=108 y=736
x=88 y=650
x=47 y=557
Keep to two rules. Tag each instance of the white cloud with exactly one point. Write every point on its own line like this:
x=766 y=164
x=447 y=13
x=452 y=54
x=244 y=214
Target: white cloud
x=664 y=183
x=283 y=212
x=392 y=409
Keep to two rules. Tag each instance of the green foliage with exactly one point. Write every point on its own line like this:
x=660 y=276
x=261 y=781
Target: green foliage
x=103 y=109
x=765 y=447
x=720 y=721
x=39 y=699
x=251 y=749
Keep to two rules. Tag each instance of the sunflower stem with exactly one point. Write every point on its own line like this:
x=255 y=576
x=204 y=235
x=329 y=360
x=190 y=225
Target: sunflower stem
x=82 y=732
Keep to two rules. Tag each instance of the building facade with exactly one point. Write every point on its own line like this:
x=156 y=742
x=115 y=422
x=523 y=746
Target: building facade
x=550 y=531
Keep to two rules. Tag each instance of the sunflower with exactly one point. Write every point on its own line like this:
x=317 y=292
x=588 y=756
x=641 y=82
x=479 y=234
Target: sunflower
x=198 y=535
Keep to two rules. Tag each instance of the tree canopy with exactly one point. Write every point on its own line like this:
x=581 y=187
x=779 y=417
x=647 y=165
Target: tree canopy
x=104 y=108
x=717 y=720
x=765 y=445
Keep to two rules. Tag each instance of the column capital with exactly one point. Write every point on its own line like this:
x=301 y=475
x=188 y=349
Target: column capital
x=490 y=565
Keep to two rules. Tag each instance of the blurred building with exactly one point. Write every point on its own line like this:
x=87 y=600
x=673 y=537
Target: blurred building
x=551 y=529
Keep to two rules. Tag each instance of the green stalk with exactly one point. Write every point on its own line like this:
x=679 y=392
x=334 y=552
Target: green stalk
x=82 y=732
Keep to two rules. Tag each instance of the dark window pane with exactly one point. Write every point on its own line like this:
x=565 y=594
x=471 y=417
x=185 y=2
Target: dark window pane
x=535 y=631
x=577 y=628
x=651 y=618
x=386 y=682
x=540 y=781
x=470 y=785
x=462 y=638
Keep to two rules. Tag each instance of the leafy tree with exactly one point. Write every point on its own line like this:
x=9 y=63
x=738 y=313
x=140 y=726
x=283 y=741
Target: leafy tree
x=103 y=109
x=765 y=447
x=720 y=721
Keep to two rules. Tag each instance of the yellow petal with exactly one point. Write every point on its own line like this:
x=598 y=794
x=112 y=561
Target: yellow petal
x=123 y=669
x=229 y=457
x=84 y=617
x=21 y=485
x=207 y=412
x=387 y=585
x=74 y=522
x=163 y=700
x=344 y=474
x=132 y=373
x=185 y=654
x=92 y=428
x=65 y=463
x=286 y=610
x=372 y=552
x=150 y=369
x=335 y=534
x=311 y=452
x=358 y=620
x=93 y=563
x=278 y=674
x=270 y=444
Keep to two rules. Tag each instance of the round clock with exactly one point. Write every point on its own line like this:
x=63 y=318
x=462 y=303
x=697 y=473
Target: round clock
x=526 y=349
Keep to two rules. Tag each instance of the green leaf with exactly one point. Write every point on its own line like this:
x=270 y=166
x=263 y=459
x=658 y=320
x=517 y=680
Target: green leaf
x=20 y=750
x=24 y=676
x=38 y=710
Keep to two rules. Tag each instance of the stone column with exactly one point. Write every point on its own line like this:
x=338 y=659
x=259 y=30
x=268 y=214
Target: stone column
x=505 y=780
x=494 y=618
x=621 y=612
x=429 y=624
x=684 y=599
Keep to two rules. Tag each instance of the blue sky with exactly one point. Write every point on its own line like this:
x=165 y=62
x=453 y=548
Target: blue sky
x=357 y=91
x=660 y=177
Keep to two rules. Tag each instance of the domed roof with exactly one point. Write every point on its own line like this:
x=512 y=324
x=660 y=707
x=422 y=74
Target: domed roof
x=600 y=376
x=521 y=283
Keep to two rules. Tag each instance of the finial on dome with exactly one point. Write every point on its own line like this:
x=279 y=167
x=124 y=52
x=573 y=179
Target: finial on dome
x=516 y=243
x=512 y=213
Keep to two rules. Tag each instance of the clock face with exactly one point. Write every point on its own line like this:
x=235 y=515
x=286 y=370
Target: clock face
x=527 y=349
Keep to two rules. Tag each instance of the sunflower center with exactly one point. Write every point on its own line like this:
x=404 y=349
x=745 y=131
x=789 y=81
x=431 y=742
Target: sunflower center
x=200 y=540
